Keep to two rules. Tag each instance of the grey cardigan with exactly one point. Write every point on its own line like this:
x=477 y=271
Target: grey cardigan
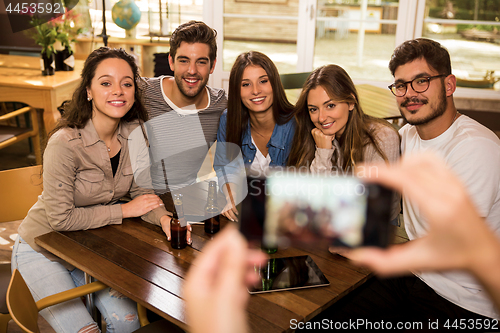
x=388 y=141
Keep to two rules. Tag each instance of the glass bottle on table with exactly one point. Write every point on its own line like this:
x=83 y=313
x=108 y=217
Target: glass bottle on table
x=268 y=274
x=269 y=245
x=212 y=221
x=178 y=224
x=269 y=250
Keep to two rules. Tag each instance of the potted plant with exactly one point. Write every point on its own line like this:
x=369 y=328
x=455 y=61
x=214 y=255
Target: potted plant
x=45 y=35
x=67 y=31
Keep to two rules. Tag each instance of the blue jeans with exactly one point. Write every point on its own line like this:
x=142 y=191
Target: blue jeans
x=45 y=277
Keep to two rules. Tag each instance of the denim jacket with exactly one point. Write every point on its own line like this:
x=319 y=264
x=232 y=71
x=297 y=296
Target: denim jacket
x=278 y=146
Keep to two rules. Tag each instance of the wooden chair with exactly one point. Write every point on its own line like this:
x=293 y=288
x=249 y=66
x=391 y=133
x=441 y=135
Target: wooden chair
x=294 y=80
x=19 y=191
x=293 y=83
x=23 y=308
x=10 y=134
x=4 y=284
x=159 y=326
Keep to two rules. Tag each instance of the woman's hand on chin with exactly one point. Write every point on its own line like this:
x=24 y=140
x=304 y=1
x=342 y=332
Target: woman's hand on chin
x=322 y=140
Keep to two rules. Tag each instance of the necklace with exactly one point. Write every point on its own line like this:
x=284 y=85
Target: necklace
x=111 y=143
x=254 y=130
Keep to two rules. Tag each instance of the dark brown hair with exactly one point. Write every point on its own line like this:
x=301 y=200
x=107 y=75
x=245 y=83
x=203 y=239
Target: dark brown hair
x=436 y=56
x=358 y=132
x=237 y=113
x=194 y=32
x=79 y=110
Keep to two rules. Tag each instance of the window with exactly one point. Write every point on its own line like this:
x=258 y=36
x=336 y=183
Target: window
x=174 y=13
x=469 y=29
x=359 y=35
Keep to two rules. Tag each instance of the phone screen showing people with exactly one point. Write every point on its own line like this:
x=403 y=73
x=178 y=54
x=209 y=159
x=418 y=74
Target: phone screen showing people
x=290 y=207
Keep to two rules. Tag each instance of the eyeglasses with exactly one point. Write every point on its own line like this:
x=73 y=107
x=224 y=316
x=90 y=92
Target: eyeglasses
x=419 y=85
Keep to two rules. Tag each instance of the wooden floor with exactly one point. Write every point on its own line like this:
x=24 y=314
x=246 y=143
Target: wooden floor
x=8 y=234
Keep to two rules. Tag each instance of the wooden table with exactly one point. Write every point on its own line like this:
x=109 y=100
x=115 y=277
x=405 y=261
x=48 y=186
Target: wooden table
x=136 y=259
x=378 y=102
x=21 y=80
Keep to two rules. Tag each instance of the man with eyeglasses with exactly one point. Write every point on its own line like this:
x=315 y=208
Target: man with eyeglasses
x=424 y=87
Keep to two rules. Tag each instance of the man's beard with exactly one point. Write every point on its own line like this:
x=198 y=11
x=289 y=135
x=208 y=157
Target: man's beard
x=189 y=93
x=437 y=110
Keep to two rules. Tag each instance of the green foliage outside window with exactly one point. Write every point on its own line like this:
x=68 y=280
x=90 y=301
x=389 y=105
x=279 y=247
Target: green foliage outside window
x=487 y=10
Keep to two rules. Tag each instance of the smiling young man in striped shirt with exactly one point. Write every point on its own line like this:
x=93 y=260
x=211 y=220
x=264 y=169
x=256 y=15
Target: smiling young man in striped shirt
x=184 y=115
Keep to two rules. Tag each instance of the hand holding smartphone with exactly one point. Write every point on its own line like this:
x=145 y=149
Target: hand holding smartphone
x=302 y=207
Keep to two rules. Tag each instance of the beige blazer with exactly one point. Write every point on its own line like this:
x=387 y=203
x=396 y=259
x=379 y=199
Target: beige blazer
x=79 y=190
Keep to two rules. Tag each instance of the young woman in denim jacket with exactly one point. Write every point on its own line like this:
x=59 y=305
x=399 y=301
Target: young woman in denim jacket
x=259 y=119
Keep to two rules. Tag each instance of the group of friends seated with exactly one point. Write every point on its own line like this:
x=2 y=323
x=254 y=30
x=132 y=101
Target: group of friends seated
x=91 y=161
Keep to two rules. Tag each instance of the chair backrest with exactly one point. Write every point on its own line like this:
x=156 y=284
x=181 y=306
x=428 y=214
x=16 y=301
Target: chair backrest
x=10 y=135
x=21 y=304
x=294 y=80
x=19 y=190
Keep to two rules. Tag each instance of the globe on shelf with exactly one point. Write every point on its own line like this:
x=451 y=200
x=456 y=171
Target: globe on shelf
x=126 y=14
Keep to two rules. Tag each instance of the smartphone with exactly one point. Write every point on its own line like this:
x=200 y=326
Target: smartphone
x=284 y=208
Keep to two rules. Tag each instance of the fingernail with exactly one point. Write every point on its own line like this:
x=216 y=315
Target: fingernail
x=162 y=204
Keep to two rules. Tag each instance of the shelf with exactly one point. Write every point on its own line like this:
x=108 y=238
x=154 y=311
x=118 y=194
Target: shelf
x=144 y=48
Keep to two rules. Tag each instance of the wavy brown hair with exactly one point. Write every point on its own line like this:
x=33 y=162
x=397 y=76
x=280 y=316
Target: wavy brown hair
x=358 y=132
x=79 y=110
x=237 y=113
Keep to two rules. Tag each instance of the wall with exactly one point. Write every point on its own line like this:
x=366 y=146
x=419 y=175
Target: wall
x=9 y=41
